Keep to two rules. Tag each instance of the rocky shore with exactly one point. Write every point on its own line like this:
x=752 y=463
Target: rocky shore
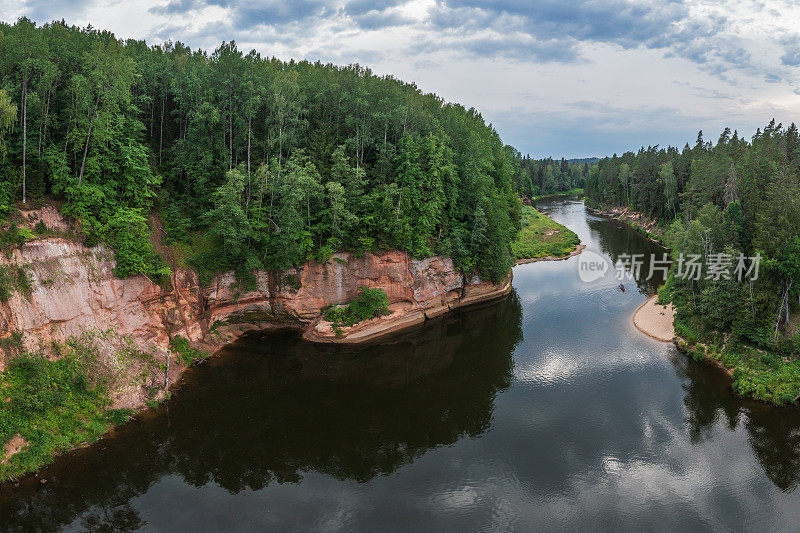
x=639 y=221
x=406 y=315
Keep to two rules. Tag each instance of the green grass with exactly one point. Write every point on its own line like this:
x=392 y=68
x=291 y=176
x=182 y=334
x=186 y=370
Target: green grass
x=53 y=405
x=572 y=192
x=541 y=236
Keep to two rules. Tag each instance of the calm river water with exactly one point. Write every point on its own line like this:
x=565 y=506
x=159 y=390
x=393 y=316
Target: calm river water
x=546 y=411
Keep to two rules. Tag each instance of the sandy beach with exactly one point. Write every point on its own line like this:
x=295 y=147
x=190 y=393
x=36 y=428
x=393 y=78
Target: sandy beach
x=655 y=320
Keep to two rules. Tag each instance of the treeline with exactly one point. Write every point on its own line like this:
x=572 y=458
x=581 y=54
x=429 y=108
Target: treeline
x=736 y=198
x=251 y=161
x=546 y=176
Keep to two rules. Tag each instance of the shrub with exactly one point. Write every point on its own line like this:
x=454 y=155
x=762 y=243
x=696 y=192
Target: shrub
x=186 y=353
x=13 y=279
x=293 y=281
x=10 y=238
x=177 y=226
x=40 y=228
x=128 y=234
x=53 y=406
x=369 y=303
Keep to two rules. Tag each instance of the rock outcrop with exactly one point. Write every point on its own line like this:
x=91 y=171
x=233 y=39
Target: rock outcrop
x=73 y=290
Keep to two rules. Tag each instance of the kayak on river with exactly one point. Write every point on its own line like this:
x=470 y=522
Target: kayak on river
x=622 y=287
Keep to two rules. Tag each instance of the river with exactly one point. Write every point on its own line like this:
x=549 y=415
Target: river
x=545 y=411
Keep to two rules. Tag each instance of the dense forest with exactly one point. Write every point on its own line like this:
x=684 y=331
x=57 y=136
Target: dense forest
x=546 y=176
x=250 y=162
x=730 y=198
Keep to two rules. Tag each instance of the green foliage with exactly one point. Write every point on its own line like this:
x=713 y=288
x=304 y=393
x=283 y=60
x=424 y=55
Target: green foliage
x=293 y=281
x=739 y=198
x=8 y=115
x=186 y=353
x=53 y=406
x=12 y=344
x=229 y=230
x=255 y=163
x=540 y=236
x=12 y=237
x=369 y=303
x=128 y=234
x=177 y=224
x=14 y=279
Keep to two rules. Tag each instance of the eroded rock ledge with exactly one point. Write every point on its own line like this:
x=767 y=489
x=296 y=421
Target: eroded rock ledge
x=73 y=290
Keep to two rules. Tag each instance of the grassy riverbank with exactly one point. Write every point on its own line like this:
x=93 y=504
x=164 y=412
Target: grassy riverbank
x=53 y=406
x=541 y=236
x=74 y=395
x=769 y=373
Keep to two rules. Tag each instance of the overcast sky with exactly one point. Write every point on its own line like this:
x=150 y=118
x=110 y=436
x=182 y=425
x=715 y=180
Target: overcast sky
x=570 y=78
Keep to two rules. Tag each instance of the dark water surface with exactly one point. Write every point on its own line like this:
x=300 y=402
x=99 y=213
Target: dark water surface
x=546 y=411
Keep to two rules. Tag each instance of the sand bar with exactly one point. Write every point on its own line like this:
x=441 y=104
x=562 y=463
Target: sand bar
x=655 y=320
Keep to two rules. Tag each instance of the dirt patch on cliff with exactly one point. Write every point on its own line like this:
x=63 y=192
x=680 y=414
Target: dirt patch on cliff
x=13 y=447
x=53 y=220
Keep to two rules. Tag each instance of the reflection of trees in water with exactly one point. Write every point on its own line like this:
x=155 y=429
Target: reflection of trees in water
x=275 y=408
x=616 y=238
x=774 y=433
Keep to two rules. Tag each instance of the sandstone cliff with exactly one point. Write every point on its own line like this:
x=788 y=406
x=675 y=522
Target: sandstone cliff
x=73 y=290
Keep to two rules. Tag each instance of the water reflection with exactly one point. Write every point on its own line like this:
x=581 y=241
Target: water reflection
x=274 y=408
x=773 y=433
x=463 y=425
x=616 y=239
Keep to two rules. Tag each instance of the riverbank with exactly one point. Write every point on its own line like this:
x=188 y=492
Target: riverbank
x=403 y=317
x=566 y=194
x=756 y=374
x=655 y=320
x=578 y=249
x=82 y=351
x=642 y=223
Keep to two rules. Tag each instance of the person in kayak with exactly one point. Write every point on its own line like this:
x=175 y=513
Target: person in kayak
x=622 y=287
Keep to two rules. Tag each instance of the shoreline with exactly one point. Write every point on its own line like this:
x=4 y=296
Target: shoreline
x=578 y=249
x=655 y=320
x=632 y=219
x=403 y=318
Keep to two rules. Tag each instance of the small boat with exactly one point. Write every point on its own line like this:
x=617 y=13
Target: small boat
x=621 y=287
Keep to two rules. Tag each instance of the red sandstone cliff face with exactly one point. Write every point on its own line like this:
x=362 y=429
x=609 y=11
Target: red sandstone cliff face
x=74 y=290
x=421 y=282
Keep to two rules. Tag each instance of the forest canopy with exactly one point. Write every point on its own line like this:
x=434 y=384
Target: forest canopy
x=250 y=161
